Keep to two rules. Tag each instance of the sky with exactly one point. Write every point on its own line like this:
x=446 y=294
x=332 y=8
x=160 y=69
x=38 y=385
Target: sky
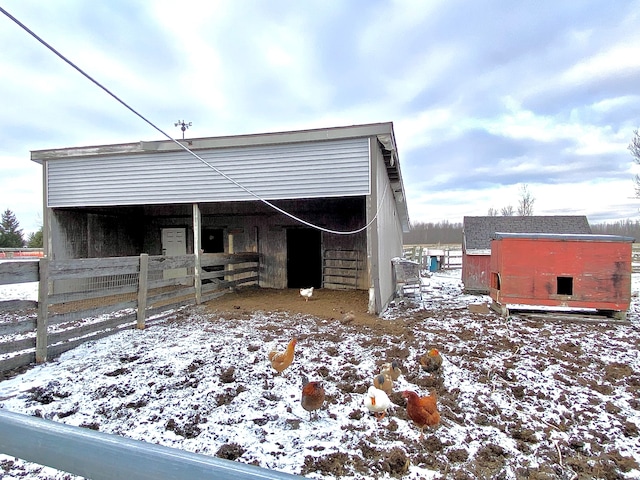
x=486 y=97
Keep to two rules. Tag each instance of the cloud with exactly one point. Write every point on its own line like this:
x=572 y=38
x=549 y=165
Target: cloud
x=484 y=96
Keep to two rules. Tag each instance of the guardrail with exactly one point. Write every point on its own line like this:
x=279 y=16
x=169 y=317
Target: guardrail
x=99 y=455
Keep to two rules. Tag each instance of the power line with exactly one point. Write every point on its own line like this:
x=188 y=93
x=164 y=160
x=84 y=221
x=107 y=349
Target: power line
x=185 y=148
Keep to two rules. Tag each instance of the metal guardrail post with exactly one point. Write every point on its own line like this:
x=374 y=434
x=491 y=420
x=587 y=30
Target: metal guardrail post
x=102 y=456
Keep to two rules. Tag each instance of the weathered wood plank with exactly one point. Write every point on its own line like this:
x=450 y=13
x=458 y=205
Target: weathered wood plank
x=219 y=259
x=160 y=262
x=8 y=305
x=226 y=273
x=162 y=297
x=17 y=345
x=60 y=298
x=15 y=328
x=24 y=271
x=58 y=349
x=17 y=361
x=171 y=282
x=90 y=329
x=75 y=315
x=77 y=264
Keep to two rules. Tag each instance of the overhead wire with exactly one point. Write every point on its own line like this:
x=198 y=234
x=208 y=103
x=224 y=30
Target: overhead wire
x=182 y=146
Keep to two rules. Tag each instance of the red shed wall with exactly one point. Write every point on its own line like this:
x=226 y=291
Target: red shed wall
x=529 y=269
x=475 y=273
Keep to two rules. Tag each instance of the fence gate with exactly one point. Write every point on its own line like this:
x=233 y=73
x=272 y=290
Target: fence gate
x=341 y=268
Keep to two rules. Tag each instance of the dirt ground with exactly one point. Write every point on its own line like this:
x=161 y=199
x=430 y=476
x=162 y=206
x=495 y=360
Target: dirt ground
x=519 y=398
x=346 y=306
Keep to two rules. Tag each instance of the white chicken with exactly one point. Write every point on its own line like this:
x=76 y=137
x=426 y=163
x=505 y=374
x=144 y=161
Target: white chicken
x=377 y=401
x=306 y=293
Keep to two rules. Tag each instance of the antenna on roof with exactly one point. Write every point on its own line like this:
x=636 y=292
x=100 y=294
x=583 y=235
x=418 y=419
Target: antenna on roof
x=183 y=126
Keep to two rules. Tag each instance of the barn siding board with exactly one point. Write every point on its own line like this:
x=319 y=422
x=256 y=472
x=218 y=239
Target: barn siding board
x=304 y=170
x=529 y=266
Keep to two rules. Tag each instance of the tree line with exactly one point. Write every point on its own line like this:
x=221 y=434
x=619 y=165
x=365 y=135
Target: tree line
x=447 y=233
x=12 y=236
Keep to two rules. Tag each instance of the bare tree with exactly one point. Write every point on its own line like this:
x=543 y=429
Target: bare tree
x=525 y=205
x=493 y=212
x=506 y=211
x=634 y=148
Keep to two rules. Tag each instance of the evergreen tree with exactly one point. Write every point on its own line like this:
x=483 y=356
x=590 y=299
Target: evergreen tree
x=35 y=239
x=10 y=232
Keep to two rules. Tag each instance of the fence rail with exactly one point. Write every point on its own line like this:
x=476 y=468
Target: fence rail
x=87 y=299
x=99 y=455
x=435 y=257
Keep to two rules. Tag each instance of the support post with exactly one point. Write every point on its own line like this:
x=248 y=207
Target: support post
x=197 y=250
x=143 y=288
x=43 y=310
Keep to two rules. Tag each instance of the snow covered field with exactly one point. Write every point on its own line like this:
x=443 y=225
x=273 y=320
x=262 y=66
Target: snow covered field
x=519 y=398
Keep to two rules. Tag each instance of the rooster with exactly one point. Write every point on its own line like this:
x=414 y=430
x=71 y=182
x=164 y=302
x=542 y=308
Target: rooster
x=377 y=402
x=306 y=293
x=312 y=396
x=431 y=361
x=281 y=360
x=423 y=411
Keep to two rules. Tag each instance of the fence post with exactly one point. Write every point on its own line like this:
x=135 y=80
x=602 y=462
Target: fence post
x=143 y=284
x=43 y=310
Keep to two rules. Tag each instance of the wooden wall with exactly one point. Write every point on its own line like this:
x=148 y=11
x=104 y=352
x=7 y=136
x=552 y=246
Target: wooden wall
x=528 y=272
x=247 y=226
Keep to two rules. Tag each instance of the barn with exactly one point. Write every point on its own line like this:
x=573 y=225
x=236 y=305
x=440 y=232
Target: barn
x=478 y=232
x=561 y=271
x=322 y=207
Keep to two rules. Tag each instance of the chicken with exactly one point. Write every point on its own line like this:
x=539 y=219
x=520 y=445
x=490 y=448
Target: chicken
x=423 y=411
x=312 y=396
x=432 y=361
x=377 y=402
x=281 y=360
x=391 y=369
x=383 y=382
x=306 y=293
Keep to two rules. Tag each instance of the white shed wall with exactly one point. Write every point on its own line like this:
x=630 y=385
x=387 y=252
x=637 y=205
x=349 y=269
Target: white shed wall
x=332 y=168
x=389 y=231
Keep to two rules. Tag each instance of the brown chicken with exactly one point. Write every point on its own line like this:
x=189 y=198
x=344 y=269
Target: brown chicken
x=391 y=369
x=423 y=411
x=383 y=382
x=431 y=361
x=281 y=360
x=312 y=397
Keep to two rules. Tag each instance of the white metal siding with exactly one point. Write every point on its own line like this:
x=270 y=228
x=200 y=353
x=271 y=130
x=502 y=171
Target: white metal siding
x=331 y=168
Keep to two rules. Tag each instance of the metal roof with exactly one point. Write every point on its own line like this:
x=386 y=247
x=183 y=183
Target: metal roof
x=565 y=237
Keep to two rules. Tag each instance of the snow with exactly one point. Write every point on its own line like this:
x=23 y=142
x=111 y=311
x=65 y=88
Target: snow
x=515 y=395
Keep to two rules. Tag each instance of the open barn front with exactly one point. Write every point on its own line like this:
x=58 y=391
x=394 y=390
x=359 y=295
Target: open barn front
x=291 y=255
x=128 y=199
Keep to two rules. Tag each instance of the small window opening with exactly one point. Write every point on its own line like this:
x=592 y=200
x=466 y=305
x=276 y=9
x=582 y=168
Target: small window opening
x=565 y=285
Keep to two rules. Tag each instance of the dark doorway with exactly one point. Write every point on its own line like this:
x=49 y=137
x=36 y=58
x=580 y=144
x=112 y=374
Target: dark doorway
x=304 y=258
x=212 y=240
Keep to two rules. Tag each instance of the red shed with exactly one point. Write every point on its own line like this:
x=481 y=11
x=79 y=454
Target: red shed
x=563 y=271
x=478 y=232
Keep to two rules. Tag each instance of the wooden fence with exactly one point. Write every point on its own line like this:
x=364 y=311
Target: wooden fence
x=87 y=299
x=447 y=257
